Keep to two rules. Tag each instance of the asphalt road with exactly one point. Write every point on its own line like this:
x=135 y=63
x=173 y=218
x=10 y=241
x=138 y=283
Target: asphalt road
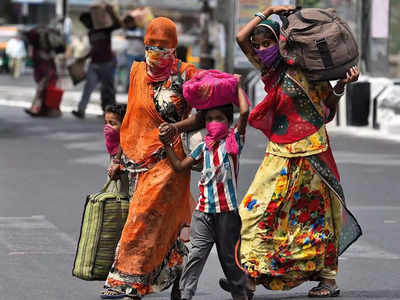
x=48 y=166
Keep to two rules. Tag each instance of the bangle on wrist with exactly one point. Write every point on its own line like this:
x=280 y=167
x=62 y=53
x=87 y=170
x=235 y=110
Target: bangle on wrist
x=337 y=94
x=260 y=15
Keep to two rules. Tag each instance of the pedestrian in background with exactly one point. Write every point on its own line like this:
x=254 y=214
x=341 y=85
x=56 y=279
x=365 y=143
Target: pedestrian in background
x=102 y=64
x=295 y=221
x=150 y=254
x=134 y=36
x=16 y=53
x=44 y=71
x=216 y=218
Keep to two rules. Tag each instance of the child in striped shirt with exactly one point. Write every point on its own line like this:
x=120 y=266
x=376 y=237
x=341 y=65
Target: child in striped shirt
x=216 y=218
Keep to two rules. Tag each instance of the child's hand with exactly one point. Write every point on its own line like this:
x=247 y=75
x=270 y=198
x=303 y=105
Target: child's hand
x=239 y=78
x=167 y=133
x=165 y=139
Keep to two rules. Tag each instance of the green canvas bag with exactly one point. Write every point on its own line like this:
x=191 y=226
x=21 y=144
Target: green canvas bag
x=103 y=219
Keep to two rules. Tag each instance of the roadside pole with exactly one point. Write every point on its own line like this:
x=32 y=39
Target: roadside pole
x=206 y=60
x=227 y=14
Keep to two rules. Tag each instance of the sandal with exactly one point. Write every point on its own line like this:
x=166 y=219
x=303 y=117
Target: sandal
x=332 y=291
x=31 y=113
x=112 y=294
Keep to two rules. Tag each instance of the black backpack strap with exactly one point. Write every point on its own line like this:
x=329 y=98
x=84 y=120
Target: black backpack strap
x=323 y=49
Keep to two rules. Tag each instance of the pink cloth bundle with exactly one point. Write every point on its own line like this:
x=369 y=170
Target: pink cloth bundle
x=211 y=88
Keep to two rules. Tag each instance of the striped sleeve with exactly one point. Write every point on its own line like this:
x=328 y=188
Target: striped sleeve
x=197 y=153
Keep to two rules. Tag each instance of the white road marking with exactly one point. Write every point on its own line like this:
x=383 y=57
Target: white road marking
x=92 y=109
x=87 y=146
x=250 y=161
x=362 y=249
x=375 y=208
x=33 y=235
x=365 y=132
x=96 y=159
x=370 y=159
x=70 y=136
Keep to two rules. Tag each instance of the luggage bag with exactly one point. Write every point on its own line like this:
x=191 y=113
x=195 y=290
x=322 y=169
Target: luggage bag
x=319 y=42
x=103 y=219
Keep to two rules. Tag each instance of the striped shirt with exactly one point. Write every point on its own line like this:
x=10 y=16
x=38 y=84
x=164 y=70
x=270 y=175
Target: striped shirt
x=218 y=180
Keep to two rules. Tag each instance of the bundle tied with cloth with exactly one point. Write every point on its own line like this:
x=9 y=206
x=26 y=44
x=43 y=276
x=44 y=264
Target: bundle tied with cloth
x=211 y=88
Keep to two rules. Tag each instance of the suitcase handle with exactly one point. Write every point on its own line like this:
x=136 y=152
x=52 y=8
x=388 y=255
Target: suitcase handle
x=107 y=185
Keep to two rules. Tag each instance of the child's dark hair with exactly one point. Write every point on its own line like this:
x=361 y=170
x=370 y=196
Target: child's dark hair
x=264 y=31
x=227 y=110
x=118 y=109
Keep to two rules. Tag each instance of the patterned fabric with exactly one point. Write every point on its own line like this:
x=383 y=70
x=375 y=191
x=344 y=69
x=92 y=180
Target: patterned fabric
x=291 y=221
x=156 y=281
x=146 y=260
x=350 y=230
x=218 y=182
x=159 y=63
x=313 y=144
x=295 y=222
x=291 y=111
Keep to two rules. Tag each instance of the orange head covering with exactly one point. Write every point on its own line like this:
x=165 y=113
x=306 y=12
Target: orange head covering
x=161 y=32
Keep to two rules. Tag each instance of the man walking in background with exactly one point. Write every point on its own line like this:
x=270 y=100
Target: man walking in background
x=102 y=65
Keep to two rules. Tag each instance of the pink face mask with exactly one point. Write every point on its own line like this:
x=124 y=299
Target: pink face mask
x=218 y=131
x=112 y=139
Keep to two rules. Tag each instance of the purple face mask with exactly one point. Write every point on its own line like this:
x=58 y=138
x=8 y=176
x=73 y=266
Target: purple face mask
x=268 y=55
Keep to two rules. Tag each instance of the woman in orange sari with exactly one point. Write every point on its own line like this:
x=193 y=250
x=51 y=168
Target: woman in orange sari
x=150 y=255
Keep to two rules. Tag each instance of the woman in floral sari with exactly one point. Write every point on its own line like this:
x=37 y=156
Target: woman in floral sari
x=295 y=221
x=150 y=254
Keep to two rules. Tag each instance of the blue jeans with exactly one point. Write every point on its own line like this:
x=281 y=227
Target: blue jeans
x=103 y=72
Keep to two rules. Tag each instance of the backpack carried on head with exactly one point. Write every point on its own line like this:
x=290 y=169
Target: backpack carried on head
x=319 y=42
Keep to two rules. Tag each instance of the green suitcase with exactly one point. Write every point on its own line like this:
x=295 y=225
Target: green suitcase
x=103 y=219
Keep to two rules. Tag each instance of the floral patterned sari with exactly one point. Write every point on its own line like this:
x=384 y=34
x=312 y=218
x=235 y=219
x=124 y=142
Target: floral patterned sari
x=295 y=222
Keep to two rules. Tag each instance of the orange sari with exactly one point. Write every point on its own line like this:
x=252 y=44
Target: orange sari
x=160 y=205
